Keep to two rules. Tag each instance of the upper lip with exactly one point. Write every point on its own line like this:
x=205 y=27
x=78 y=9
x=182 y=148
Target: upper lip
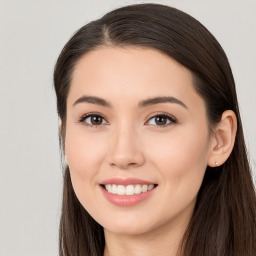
x=126 y=181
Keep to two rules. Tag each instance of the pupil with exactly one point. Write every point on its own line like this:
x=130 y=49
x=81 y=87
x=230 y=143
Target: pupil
x=160 y=120
x=96 y=120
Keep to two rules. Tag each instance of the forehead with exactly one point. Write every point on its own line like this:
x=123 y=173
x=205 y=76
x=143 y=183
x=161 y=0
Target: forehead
x=130 y=72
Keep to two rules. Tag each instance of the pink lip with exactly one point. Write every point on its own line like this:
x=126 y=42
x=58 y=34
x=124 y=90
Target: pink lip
x=126 y=200
x=126 y=181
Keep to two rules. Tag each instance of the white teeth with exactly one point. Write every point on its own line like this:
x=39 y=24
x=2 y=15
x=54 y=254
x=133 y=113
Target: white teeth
x=144 y=188
x=137 y=189
x=128 y=190
x=113 y=189
x=120 y=190
x=150 y=187
x=108 y=187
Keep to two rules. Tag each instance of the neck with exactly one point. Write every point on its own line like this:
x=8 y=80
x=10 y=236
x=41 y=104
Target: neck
x=164 y=241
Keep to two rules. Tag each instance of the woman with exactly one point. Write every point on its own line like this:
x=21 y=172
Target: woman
x=153 y=141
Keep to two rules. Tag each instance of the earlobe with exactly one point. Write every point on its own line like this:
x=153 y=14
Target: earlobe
x=66 y=160
x=223 y=139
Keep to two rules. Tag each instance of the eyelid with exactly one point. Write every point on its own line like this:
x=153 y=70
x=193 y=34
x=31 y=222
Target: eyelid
x=171 y=117
x=83 y=117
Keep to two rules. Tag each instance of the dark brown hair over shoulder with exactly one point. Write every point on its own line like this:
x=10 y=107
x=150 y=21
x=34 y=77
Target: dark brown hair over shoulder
x=224 y=219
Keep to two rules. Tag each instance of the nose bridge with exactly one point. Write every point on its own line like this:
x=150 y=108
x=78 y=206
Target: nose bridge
x=124 y=149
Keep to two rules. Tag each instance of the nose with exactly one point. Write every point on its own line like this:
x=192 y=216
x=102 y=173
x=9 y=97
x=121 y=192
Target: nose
x=125 y=150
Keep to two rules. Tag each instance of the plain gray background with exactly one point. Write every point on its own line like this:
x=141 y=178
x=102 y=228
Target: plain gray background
x=32 y=35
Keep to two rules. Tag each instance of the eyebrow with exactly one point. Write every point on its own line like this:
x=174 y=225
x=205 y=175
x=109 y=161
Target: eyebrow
x=92 y=100
x=144 y=103
x=158 y=100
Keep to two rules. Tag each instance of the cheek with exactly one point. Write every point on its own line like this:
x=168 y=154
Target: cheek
x=181 y=161
x=181 y=157
x=84 y=152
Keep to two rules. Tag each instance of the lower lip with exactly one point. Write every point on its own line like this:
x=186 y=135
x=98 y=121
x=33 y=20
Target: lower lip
x=127 y=200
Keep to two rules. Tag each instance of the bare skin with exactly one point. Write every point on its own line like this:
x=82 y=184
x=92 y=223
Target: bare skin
x=126 y=134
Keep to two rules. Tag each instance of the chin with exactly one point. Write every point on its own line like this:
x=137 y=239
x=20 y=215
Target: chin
x=125 y=227
x=128 y=230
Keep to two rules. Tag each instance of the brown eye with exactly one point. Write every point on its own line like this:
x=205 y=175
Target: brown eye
x=93 y=120
x=96 y=120
x=161 y=120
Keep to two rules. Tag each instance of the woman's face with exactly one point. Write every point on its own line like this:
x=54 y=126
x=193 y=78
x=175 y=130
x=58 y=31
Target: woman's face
x=135 y=124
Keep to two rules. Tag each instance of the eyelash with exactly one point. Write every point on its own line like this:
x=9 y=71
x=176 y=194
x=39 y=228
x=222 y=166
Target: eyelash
x=82 y=119
x=172 y=119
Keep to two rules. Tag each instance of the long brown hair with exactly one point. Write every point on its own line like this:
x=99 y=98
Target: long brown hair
x=224 y=219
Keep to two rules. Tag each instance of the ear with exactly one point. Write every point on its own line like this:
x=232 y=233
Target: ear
x=223 y=139
x=66 y=159
x=60 y=123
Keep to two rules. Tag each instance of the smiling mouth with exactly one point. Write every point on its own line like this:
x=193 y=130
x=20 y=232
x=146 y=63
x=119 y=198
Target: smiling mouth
x=128 y=190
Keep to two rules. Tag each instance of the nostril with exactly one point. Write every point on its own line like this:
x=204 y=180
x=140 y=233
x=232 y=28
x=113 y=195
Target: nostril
x=132 y=164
